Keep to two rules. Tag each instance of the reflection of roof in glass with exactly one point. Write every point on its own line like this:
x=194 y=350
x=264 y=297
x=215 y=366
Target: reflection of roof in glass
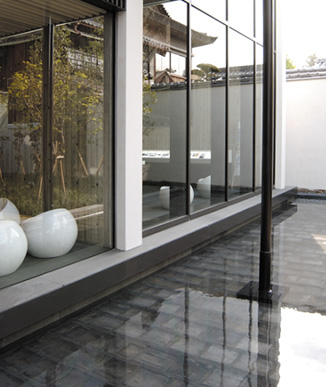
x=237 y=75
x=156 y=21
x=168 y=77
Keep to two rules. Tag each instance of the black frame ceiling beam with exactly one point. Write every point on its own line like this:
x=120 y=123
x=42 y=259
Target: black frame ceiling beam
x=109 y=5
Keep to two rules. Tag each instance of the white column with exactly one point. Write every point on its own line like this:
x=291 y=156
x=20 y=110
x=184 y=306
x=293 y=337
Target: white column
x=128 y=131
x=280 y=122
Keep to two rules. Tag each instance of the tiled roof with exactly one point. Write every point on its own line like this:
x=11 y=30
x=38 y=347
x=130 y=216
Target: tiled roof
x=306 y=73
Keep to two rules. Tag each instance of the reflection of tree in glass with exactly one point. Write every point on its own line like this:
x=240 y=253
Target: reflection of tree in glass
x=77 y=93
x=23 y=101
x=206 y=72
x=312 y=60
x=149 y=99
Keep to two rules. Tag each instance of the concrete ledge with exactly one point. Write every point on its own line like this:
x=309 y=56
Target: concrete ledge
x=33 y=304
x=312 y=195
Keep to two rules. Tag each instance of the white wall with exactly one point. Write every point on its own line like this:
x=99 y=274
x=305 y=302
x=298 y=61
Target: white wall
x=128 y=131
x=280 y=116
x=306 y=134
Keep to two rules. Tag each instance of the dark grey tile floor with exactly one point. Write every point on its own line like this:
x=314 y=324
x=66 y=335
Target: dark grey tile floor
x=184 y=326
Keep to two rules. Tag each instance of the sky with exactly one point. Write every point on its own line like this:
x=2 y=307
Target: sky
x=304 y=29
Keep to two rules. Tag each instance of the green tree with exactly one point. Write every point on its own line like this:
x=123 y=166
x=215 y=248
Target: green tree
x=77 y=98
x=76 y=92
x=311 y=60
x=289 y=64
x=206 y=71
x=149 y=99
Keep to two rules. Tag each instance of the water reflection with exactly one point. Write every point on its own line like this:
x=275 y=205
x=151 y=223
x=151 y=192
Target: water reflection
x=302 y=348
x=205 y=338
x=184 y=326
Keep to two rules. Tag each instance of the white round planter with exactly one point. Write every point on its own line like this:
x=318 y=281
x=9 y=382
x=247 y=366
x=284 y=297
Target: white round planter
x=204 y=187
x=8 y=211
x=164 y=196
x=50 y=234
x=13 y=246
x=192 y=194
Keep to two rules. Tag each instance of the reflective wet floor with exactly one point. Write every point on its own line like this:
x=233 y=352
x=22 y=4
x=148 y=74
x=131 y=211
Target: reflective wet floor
x=184 y=326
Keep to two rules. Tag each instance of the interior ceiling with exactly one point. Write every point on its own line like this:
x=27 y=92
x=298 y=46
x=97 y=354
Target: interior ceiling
x=18 y=16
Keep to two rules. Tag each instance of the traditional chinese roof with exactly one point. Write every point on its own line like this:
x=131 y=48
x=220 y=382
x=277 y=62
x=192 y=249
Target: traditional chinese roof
x=156 y=21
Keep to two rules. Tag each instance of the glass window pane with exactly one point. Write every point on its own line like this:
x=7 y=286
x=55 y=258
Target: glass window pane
x=259 y=20
x=216 y=8
x=259 y=115
x=241 y=15
x=21 y=122
x=164 y=112
x=207 y=167
x=240 y=131
x=78 y=126
x=59 y=195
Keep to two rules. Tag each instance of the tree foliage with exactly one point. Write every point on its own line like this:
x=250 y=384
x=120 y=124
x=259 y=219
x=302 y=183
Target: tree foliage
x=77 y=92
x=289 y=64
x=311 y=60
x=206 y=71
x=149 y=99
x=77 y=96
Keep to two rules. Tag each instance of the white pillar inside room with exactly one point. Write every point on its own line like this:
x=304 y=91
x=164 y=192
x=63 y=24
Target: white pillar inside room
x=128 y=127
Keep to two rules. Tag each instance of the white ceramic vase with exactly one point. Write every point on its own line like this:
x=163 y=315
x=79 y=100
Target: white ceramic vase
x=51 y=233
x=204 y=187
x=13 y=246
x=192 y=194
x=8 y=211
x=164 y=196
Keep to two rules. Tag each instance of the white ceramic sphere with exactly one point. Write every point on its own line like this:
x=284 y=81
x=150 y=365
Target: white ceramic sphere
x=13 y=246
x=204 y=187
x=164 y=196
x=50 y=234
x=8 y=211
x=192 y=194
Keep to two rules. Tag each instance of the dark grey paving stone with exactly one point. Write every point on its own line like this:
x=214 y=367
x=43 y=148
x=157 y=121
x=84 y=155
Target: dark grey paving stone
x=184 y=326
x=144 y=377
x=76 y=333
x=24 y=364
x=115 y=371
x=9 y=380
x=61 y=376
x=51 y=347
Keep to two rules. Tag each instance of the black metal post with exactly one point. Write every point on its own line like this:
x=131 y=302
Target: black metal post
x=188 y=118
x=108 y=128
x=48 y=43
x=263 y=290
x=227 y=89
x=267 y=161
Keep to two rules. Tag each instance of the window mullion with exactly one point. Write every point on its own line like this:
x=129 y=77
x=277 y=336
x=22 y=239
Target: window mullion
x=47 y=167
